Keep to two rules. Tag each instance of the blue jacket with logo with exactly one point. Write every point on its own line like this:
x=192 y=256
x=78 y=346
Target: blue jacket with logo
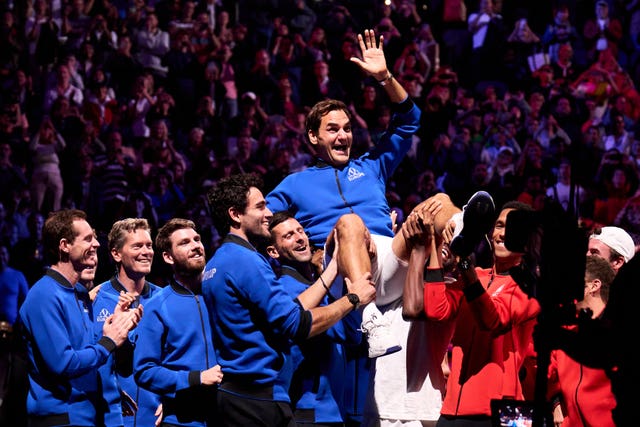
x=254 y=320
x=174 y=344
x=64 y=355
x=118 y=373
x=317 y=387
x=319 y=195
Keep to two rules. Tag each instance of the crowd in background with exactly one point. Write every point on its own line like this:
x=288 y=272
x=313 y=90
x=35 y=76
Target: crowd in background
x=135 y=108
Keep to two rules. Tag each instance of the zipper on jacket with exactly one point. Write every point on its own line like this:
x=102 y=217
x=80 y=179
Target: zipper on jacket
x=335 y=171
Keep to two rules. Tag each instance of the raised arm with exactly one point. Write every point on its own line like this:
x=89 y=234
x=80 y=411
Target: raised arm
x=374 y=63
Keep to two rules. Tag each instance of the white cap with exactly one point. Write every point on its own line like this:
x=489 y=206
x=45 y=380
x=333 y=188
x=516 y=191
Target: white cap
x=618 y=240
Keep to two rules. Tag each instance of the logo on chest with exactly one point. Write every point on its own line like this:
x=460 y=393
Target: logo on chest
x=353 y=174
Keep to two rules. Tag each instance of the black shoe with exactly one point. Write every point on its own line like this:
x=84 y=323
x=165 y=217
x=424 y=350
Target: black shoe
x=478 y=217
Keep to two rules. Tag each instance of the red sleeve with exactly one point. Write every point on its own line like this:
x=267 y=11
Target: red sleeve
x=441 y=301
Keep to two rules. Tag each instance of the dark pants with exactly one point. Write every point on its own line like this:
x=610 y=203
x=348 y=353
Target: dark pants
x=237 y=411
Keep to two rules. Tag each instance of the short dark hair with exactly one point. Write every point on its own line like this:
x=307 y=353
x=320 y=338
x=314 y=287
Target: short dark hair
x=163 y=241
x=278 y=218
x=58 y=226
x=230 y=192
x=321 y=109
x=599 y=268
x=517 y=205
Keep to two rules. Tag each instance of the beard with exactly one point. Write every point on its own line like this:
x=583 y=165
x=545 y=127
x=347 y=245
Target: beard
x=190 y=268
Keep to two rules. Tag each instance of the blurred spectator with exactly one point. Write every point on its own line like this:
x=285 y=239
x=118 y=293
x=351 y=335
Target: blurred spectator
x=138 y=106
x=502 y=183
x=166 y=197
x=565 y=71
x=221 y=26
x=28 y=253
x=343 y=74
x=428 y=45
x=560 y=31
x=616 y=189
x=413 y=62
x=628 y=218
x=8 y=230
x=521 y=44
x=301 y=19
x=102 y=38
x=617 y=137
x=393 y=42
x=205 y=44
x=406 y=18
x=212 y=125
x=152 y=44
x=185 y=22
x=75 y=24
x=260 y=79
x=299 y=156
x=616 y=105
x=227 y=78
x=601 y=32
x=11 y=176
x=123 y=68
x=287 y=59
x=488 y=42
x=81 y=191
x=564 y=190
x=62 y=87
x=46 y=180
x=13 y=288
x=368 y=104
x=43 y=45
x=548 y=131
x=251 y=117
x=317 y=48
x=533 y=191
x=12 y=41
x=115 y=174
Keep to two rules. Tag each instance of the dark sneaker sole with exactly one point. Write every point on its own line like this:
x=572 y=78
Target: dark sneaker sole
x=478 y=218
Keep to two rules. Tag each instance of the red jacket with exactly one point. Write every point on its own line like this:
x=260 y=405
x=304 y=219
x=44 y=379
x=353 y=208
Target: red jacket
x=587 y=398
x=494 y=324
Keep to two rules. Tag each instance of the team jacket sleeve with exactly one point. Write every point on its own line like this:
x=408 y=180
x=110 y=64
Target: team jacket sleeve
x=441 y=302
x=149 y=371
x=501 y=310
x=397 y=140
x=51 y=337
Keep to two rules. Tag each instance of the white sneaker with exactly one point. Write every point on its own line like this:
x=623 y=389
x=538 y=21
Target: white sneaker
x=379 y=336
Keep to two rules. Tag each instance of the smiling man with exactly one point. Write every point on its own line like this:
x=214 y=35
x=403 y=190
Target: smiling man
x=253 y=317
x=349 y=195
x=64 y=354
x=172 y=359
x=131 y=248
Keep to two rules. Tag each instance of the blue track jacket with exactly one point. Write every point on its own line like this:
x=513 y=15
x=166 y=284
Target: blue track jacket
x=319 y=195
x=317 y=392
x=174 y=344
x=254 y=319
x=64 y=356
x=118 y=373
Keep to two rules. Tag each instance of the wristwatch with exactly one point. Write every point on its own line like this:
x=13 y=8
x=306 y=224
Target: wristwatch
x=354 y=299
